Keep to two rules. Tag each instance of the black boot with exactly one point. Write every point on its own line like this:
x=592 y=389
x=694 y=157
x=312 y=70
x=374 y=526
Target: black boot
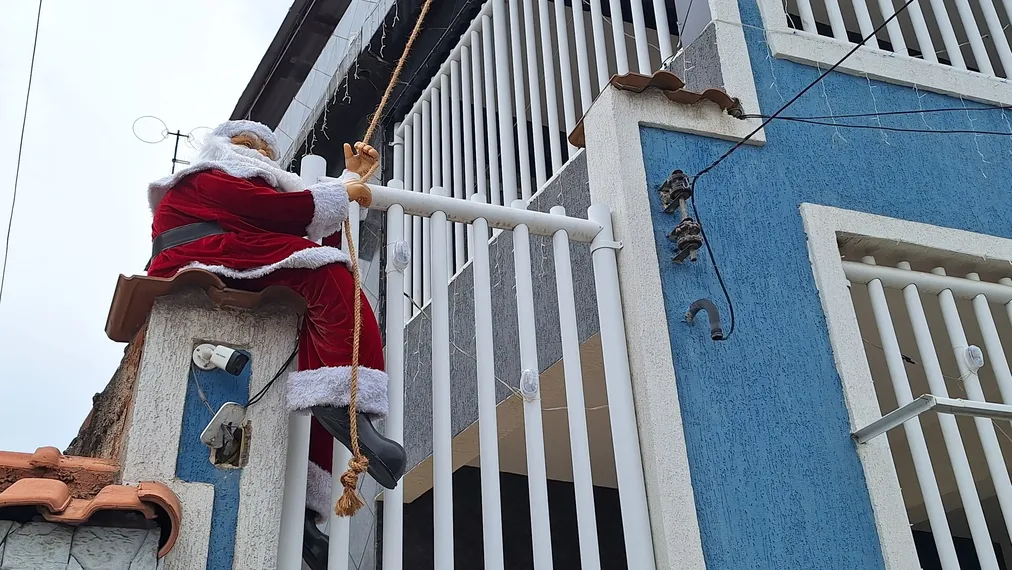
x=315 y=544
x=387 y=459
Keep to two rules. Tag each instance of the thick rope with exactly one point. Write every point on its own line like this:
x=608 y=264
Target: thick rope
x=350 y=501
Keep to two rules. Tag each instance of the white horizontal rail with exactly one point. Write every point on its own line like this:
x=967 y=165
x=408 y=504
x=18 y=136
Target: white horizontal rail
x=466 y=211
x=894 y=278
x=938 y=404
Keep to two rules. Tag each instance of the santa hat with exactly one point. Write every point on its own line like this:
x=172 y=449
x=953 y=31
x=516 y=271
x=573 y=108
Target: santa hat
x=231 y=129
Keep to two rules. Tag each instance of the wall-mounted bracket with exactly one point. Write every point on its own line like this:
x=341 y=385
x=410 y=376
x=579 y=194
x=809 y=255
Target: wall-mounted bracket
x=675 y=191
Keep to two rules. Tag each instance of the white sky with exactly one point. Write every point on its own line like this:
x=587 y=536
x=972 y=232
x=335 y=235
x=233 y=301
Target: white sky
x=81 y=217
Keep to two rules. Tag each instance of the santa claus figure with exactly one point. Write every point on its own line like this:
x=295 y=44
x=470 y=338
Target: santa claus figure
x=236 y=213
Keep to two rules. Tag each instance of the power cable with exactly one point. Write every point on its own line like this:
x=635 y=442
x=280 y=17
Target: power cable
x=21 y=146
x=897 y=129
x=886 y=113
x=739 y=144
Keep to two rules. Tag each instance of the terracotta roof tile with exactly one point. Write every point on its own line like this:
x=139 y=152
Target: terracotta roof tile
x=135 y=296
x=672 y=87
x=70 y=490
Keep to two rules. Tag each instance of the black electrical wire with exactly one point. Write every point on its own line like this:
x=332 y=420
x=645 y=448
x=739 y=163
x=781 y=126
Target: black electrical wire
x=263 y=391
x=739 y=144
x=897 y=129
x=21 y=146
x=885 y=113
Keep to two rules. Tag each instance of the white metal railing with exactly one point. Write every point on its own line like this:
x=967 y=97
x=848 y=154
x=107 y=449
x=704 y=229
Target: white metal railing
x=980 y=372
x=973 y=36
x=459 y=134
x=441 y=211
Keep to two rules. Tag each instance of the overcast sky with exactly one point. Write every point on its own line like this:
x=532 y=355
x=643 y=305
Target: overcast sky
x=81 y=216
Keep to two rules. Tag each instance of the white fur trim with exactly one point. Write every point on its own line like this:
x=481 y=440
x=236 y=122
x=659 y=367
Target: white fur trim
x=218 y=153
x=309 y=258
x=318 y=486
x=231 y=129
x=331 y=386
x=330 y=209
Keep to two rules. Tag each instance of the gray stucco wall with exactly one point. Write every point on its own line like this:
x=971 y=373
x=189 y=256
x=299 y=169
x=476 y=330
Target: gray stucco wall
x=568 y=189
x=50 y=546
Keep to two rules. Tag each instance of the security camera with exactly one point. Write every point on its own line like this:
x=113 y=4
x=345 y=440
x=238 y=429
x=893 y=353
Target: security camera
x=209 y=357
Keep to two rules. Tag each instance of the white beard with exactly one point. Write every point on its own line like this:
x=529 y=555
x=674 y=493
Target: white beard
x=218 y=153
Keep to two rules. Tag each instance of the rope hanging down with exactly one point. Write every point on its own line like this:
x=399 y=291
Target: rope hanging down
x=350 y=501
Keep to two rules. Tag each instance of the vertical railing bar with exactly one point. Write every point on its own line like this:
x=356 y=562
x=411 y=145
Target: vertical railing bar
x=893 y=30
x=488 y=433
x=583 y=50
x=537 y=471
x=426 y=187
x=952 y=48
x=417 y=224
x=583 y=482
x=468 y=128
x=507 y=150
x=446 y=153
x=1008 y=306
x=985 y=427
x=915 y=436
x=551 y=91
x=534 y=87
x=864 y=20
x=836 y=20
x=477 y=97
x=997 y=35
x=600 y=49
x=993 y=344
x=442 y=431
x=393 y=499
x=456 y=136
x=973 y=36
x=950 y=430
x=625 y=436
x=618 y=36
x=492 y=98
x=406 y=235
x=640 y=37
x=663 y=32
x=807 y=17
x=520 y=100
x=566 y=70
x=924 y=42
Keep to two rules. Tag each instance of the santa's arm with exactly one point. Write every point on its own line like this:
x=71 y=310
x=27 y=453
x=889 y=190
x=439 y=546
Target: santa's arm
x=315 y=213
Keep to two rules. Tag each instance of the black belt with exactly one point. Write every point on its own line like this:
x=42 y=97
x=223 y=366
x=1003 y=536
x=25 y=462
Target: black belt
x=182 y=235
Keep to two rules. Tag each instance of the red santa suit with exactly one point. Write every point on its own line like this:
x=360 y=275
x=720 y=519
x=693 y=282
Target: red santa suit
x=271 y=223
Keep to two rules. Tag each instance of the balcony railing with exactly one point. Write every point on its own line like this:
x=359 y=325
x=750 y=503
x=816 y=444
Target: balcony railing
x=926 y=332
x=494 y=119
x=964 y=34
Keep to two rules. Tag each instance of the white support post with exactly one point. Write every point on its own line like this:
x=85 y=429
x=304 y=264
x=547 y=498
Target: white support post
x=477 y=96
x=583 y=481
x=410 y=166
x=992 y=342
x=566 y=70
x=664 y=33
x=393 y=499
x=446 y=166
x=468 y=128
x=537 y=471
x=457 y=167
x=427 y=178
x=915 y=436
x=625 y=438
x=293 y=508
x=640 y=37
x=950 y=431
x=488 y=434
x=600 y=49
x=442 y=429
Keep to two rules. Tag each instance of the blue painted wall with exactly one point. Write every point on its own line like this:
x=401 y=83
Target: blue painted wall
x=193 y=463
x=777 y=481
